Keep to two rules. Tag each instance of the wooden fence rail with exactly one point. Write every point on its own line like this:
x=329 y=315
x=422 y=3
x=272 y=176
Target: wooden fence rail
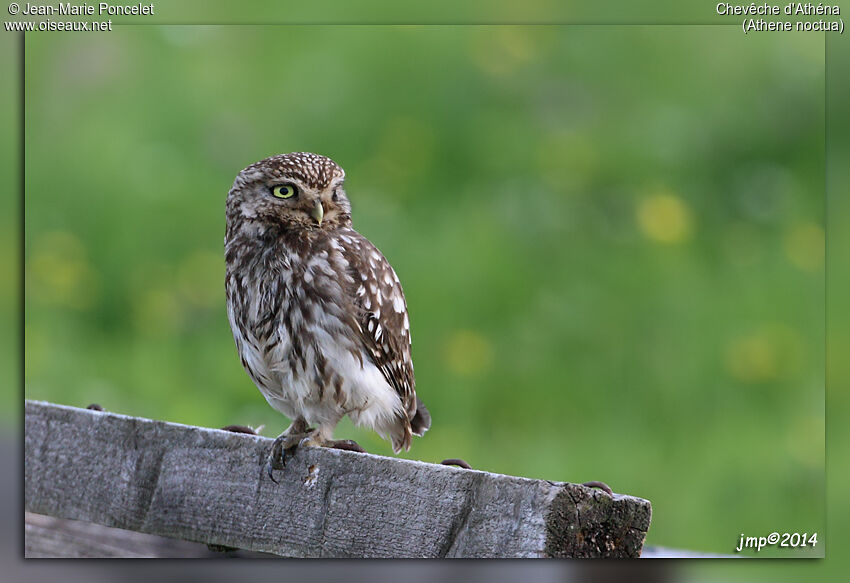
x=206 y=485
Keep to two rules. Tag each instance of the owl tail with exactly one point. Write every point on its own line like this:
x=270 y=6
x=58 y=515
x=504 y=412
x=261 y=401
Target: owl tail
x=404 y=431
x=421 y=421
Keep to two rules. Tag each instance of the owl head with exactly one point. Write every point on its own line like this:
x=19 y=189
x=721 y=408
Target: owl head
x=292 y=192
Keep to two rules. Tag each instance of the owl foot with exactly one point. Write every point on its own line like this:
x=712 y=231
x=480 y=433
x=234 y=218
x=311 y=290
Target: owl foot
x=346 y=444
x=315 y=439
x=284 y=444
x=281 y=449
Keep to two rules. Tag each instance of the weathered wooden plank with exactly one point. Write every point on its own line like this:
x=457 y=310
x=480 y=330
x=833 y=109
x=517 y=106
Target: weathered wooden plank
x=208 y=486
x=46 y=536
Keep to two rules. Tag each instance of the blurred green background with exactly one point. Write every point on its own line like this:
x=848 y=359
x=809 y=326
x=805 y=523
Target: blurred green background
x=611 y=241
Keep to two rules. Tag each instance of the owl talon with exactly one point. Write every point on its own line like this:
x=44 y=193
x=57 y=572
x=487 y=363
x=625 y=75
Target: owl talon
x=276 y=459
x=284 y=447
x=270 y=470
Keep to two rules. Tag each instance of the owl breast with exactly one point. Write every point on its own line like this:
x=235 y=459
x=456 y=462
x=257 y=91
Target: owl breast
x=292 y=311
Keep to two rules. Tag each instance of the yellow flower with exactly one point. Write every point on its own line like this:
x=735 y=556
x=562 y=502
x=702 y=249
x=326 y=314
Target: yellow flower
x=468 y=353
x=664 y=218
x=804 y=246
x=59 y=272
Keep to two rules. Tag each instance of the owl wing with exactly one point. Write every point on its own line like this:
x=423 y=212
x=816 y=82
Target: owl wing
x=382 y=316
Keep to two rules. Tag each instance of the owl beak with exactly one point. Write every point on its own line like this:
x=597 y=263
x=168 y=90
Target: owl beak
x=318 y=211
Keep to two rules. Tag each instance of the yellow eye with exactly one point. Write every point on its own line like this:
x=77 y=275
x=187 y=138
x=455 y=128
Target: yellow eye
x=284 y=191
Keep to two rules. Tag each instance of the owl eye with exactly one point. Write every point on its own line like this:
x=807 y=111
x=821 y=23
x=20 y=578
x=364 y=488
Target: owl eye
x=284 y=191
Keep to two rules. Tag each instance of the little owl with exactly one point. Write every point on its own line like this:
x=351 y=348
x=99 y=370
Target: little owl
x=317 y=313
